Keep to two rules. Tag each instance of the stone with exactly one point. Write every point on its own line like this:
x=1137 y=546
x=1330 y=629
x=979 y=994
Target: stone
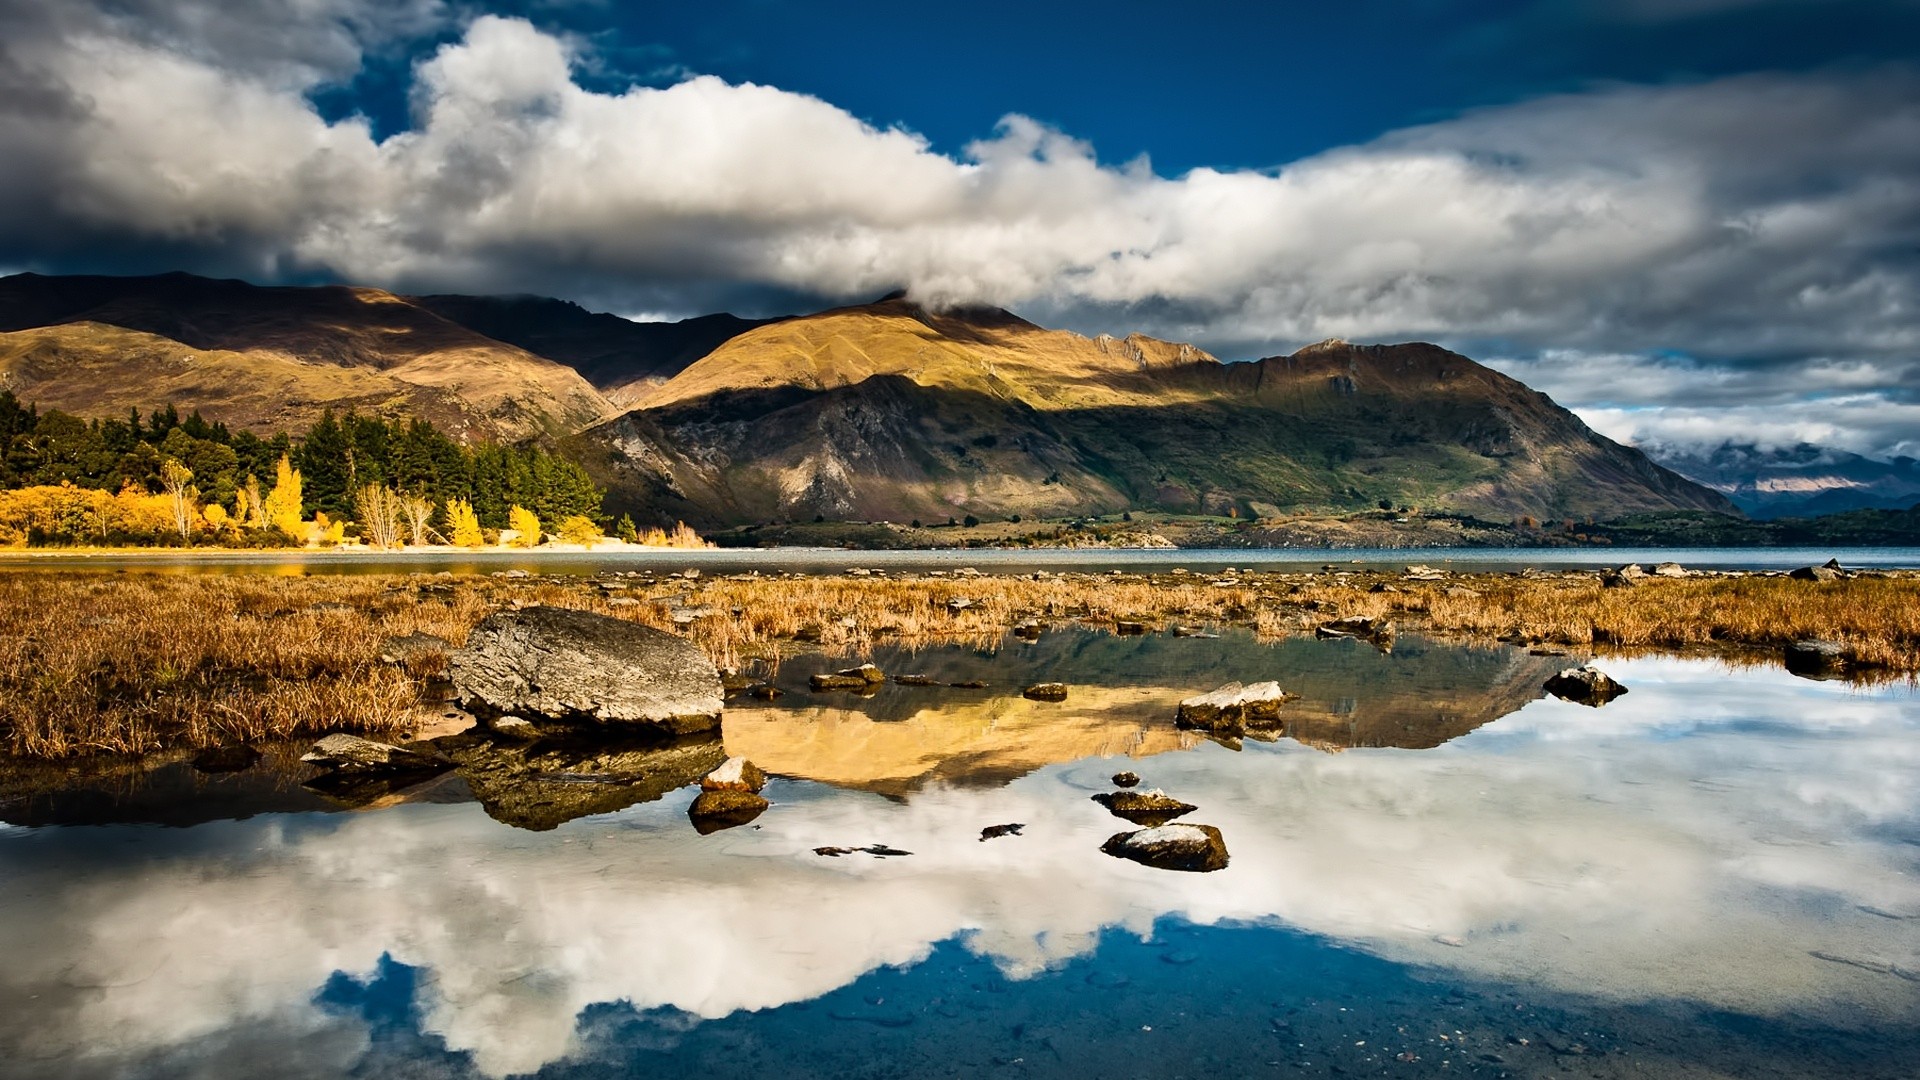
x=1816 y=573
x=713 y=811
x=733 y=680
x=864 y=677
x=351 y=753
x=542 y=783
x=1613 y=579
x=959 y=604
x=914 y=680
x=765 y=692
x=1359 y=627
x=1190 y=848
x=1233 y=709
x=518 y=727
x=735 y=774
x=578 y=668
x=411 y=651
x=995 y=832
x=1046 y=691
x=1584 y=685
x=1151 y=807
x=1670 y=569
x=1129 y=627
x=237 y=757
x=1816 y=658
x=1125 y=779
x=969 y=684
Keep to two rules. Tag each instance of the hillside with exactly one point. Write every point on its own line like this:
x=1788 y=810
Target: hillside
x=273 y=357
x=1797 y=481
x=888 y=411
x=623 y=359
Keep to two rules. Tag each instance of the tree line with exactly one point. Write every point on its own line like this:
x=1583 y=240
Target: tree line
x=65 y=479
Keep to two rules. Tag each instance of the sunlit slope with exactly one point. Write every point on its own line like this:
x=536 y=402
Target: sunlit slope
x=337 y=345
x=892 y=412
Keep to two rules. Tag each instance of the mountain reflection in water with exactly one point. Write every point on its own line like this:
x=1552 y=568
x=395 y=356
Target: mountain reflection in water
x=1736 y=843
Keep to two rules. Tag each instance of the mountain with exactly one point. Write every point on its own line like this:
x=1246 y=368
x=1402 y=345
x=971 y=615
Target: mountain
x=623 y=359
x=274 y=357
x=893 y=411
x=1798 y=481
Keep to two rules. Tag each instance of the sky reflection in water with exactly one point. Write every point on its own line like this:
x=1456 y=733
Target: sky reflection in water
x=1738 y=841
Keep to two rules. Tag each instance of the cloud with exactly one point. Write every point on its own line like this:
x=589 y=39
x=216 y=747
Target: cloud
x=1751 y=222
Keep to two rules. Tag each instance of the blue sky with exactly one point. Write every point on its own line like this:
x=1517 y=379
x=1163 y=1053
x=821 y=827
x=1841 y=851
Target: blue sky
x=1691 y=220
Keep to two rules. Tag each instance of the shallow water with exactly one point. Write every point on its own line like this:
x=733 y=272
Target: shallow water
x=990 y=560
x=1438 y=873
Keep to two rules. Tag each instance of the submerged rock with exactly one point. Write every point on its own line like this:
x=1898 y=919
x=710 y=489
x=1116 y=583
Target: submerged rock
x=1192 y=848
x=1047 y=691
x=995 y=832
x=1125 y=779
x=541 y=784
x=713 y=811
x=1584 y=685
x=351 y=753
x=1234 y=709
x=1359 y=627
x=578 y=668
x=1129 y=627
x=1816 y=658
x=734 y=774
x=1152 y=807
x=856 y=678
x=915 y=680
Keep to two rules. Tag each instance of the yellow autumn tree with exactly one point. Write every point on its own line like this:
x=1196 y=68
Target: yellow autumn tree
x=282 y=506
x=464 y=524
x=579 y=529
x=525 y=522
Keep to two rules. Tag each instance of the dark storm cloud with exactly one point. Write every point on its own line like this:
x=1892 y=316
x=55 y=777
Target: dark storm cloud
x=1766 y=226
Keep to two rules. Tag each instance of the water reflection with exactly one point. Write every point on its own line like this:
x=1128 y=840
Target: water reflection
x=1745 y=841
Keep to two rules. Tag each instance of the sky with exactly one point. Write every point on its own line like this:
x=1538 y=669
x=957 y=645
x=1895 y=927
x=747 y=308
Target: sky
x=1690 y=220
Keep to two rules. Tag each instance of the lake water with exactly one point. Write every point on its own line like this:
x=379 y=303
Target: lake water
x=986 y=559
x=1437 y=872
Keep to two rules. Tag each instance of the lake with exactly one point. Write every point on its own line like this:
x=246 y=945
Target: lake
x=1436 y=872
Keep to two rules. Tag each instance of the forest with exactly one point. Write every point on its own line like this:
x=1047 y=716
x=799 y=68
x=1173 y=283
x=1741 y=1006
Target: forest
x=173 y=480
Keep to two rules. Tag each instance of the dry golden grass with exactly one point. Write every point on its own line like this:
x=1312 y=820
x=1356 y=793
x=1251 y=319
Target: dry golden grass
x=134 y=663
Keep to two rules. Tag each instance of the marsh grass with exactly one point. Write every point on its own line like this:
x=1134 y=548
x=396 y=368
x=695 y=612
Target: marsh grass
x=136 y=663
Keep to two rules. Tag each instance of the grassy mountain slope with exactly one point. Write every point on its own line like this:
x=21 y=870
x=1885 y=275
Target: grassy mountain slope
x=331 y=345
x=889 y=411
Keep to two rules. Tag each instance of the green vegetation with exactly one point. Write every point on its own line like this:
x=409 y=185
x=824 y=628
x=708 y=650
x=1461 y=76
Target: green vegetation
x=87 y=481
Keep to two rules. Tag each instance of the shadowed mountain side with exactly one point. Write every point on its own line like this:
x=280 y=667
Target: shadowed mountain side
x=623 y=359
x=505 y=391
x=1122 y=695
x=892 y=412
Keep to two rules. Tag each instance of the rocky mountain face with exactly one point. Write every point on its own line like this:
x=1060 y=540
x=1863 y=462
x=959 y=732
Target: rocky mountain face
x=890 y=411
x=1797 y=481
x=271 y=358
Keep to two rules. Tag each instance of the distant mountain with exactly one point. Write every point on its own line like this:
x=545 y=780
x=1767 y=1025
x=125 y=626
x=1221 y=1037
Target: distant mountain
x=891 y=411
x=623 y=359
x=273 y=357
x=1798 y=481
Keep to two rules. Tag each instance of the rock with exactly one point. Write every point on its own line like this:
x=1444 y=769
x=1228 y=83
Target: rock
x=969 y=684
x=1359 y=627
x=1669 y=569
x=765 y=692
x=1585 y=685
x=1192 y=632
x=880 y=851
x=1129 y=627
x=864 y=677
x=995 y=832
x=351 y=753
x=575 y=667
x=958 y=604
x=1192 y=848
x=735 y=774
x=1029 y=629
x=1816 y=658
x=1816 y=573
x=1153 y=807
x=1461 y=592
x=1125 y=779
x=713 y=811
x=409 y=651
x=1631 y=570
x=1234 y=709
x=914 y=680
x=1613 y=579
x=238 y=757
x=1046 y=691
x=732 y=681
x=518 y=727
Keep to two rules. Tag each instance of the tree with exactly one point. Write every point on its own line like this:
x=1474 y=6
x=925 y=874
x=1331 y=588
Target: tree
x=626 y=530
x=581 y=530
x=282 y=508
x=417 y=509
x=526 y=523
x=181 y=496
x=325 y=462
x=380 y=515
x=464 y=524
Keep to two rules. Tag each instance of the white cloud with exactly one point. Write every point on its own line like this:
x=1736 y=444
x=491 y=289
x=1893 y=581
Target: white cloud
x=1753 y=221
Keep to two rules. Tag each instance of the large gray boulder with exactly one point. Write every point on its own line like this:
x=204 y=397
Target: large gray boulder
x=562 y=666
x=1234 y=709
